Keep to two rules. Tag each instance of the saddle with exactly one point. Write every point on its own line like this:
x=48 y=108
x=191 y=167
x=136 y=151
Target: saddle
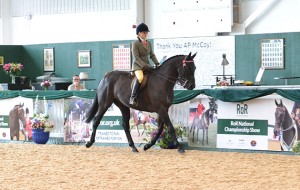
x=133 y=77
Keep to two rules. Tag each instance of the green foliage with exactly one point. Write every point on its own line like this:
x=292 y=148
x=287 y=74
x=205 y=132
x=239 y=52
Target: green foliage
x=296 y=148
x=165 y=138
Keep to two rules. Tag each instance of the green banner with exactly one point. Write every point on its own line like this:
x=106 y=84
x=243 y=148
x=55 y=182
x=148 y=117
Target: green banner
x=242 y=127
x=4 y=119
x=111 y=123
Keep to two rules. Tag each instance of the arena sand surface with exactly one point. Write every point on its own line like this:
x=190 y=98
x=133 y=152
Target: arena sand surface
x=32 y=166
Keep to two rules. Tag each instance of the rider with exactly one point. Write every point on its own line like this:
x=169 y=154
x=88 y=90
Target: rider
x=141 y=49
x=200 y=109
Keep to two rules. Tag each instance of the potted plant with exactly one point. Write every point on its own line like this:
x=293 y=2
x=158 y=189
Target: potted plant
x=40 y=124
x=165 y=141
x=13 y=69
x=46 y=84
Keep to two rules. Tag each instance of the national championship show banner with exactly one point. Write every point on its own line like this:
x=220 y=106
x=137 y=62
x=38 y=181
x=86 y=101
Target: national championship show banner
x=266 y=123
x=242 y=134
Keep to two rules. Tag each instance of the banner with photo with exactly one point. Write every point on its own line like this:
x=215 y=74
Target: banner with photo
x=15 y=117
x=203 y=122
x=268 y=123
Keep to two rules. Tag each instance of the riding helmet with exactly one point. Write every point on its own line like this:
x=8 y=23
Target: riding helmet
x=142 y=28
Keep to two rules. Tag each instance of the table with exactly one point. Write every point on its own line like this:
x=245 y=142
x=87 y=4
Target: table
x=286 y=79
x=218 y=78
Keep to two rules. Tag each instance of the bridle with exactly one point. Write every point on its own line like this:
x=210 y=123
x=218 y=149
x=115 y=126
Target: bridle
x=281 y=123
x=182 y=70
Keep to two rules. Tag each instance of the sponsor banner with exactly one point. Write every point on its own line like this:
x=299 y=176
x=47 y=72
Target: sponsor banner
x=111 y=136
x=259 y=120
x=4 y=128
x=242 y=142
x=242 y=134
x=242 y=127
x=111 y=130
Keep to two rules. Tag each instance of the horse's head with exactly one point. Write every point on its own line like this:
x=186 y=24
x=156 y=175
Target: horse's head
x=279 y=117
x=187 y=72
x=20 y=113
x=213 y=108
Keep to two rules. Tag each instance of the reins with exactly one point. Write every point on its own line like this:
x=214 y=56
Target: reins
x=178 y=80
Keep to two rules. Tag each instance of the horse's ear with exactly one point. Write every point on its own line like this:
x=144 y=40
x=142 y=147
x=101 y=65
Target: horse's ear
x=189 y=55
x=22 y=104
x=276 y=103
x=194 y=55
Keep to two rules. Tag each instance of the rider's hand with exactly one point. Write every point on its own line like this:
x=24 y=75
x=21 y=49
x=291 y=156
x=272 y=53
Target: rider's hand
x=147 y=68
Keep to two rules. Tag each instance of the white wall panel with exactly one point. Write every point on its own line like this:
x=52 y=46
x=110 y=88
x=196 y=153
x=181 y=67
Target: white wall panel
x=188 y=18
x=46 y=7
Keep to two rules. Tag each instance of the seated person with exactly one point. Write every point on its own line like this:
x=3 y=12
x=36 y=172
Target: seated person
x=76 y=84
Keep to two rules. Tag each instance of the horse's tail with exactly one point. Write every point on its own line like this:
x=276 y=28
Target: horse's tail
x=92 y=111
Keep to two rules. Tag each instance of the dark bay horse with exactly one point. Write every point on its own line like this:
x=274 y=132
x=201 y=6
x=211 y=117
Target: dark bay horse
x=16 y=115
x=156 y=96
x=284 y=125
x=203 y=123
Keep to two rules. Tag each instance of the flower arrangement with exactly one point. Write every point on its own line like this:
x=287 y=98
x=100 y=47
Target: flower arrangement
x=165 y=141
x=223 y=83
x=13 y=68
x=46 y=84
x=40 y=120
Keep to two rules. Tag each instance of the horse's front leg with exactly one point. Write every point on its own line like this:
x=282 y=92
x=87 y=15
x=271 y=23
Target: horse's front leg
x=167 y=121
x=160 y=129
x=144 y=128
x=207 y=135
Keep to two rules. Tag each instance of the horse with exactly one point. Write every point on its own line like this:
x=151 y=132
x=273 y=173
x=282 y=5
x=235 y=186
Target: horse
x=139 y=119
x=284 y=127
x=16 y=117
x=296 y=117
x=203 y=123
x=156 y=96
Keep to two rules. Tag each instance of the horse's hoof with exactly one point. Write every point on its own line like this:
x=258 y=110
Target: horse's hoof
x=88 y=144
x=134 y=150
x=146 y=147
x=181 y=151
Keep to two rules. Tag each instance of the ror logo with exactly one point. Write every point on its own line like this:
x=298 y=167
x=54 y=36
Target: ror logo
x=242 y=109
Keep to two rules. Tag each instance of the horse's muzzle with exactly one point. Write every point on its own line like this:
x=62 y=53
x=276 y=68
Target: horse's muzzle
x=189 y=84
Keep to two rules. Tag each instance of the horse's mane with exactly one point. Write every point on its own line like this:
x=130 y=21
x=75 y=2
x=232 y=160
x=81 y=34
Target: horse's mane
x=16 y=106
x=175 y=56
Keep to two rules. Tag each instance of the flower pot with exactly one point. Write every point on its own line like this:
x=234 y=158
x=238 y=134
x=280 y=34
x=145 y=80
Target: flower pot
x=39 y=136
x=13 y=79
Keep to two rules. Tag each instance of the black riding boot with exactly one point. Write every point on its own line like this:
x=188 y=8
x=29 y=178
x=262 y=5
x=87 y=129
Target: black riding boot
x=134 y=93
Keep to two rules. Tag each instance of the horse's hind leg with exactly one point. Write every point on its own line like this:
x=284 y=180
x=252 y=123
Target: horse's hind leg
x=96 y=122
x=126 y=117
